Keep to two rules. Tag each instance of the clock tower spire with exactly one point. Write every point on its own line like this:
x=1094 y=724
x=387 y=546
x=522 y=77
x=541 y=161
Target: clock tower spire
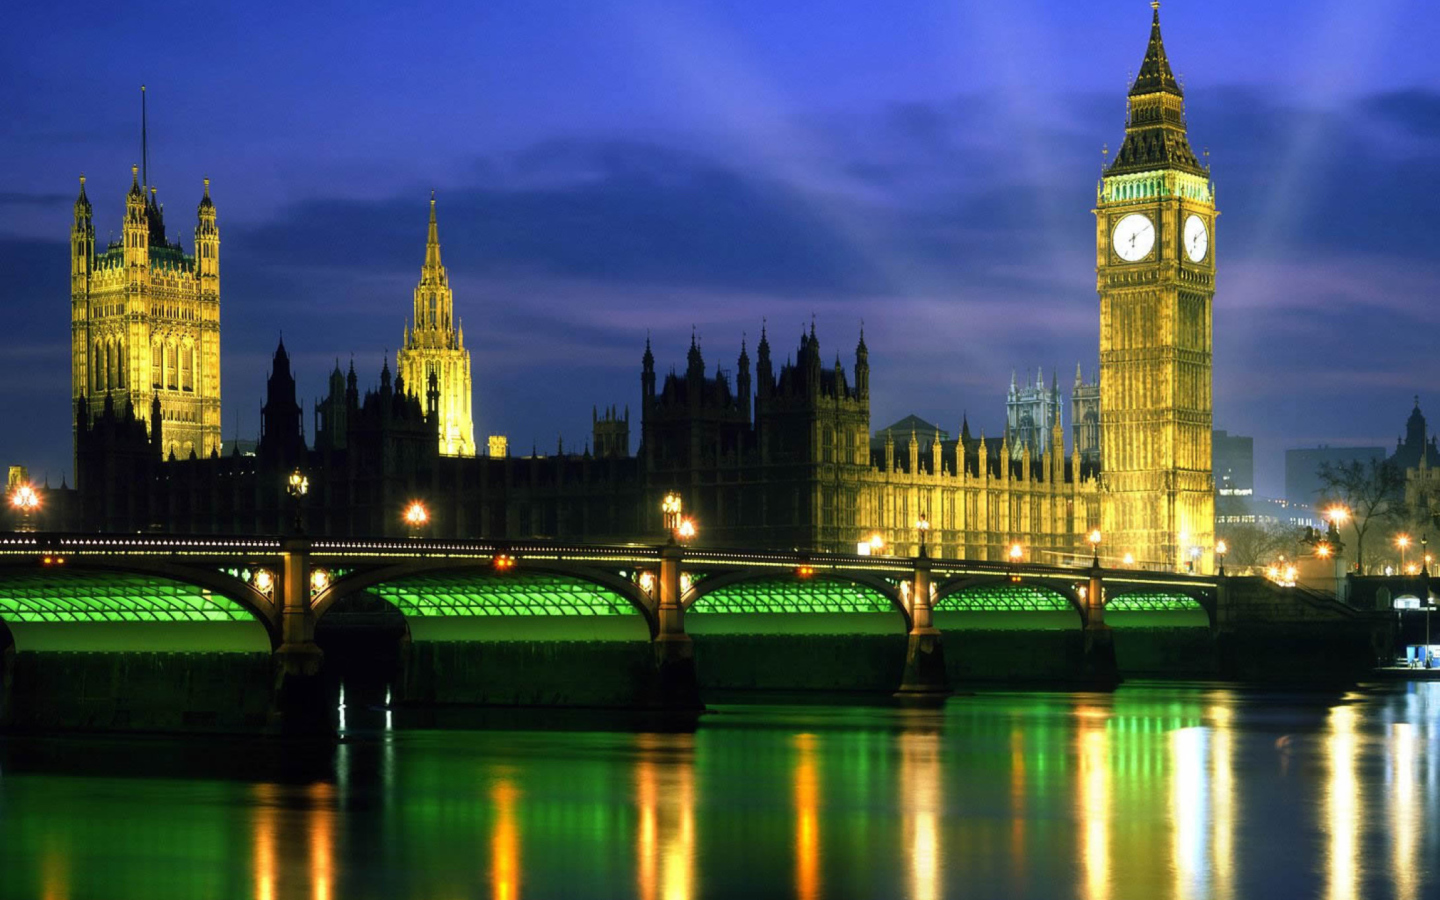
x=1155 y=274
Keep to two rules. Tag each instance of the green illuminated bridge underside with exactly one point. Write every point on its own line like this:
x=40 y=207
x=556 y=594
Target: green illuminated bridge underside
x=517 y=594
x=110 y=597
x=793 y=595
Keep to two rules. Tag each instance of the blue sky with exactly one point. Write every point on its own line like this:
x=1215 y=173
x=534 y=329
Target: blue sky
x=605 y=168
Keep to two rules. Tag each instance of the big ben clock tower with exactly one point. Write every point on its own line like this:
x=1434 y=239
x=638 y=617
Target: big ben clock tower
x=1155 y=272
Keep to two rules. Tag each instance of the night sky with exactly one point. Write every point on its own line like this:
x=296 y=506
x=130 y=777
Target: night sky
x=604 y=168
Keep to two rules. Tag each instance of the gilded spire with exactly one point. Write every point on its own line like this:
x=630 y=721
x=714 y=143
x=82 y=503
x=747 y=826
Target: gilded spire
x=432 y=242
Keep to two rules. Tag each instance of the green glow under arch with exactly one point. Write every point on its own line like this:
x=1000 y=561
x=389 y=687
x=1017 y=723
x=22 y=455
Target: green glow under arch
x=77 y=596
x=461 y=594
x=793 y=595
x=1021 y=597
x=1153 y=602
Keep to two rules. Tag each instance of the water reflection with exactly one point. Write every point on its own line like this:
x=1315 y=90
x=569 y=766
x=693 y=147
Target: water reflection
x=665 y=800
x=1150 y=792
x=807 y=819
x=922 y=803
x=504 y=840
x=1092 y=750
x=1343 y=808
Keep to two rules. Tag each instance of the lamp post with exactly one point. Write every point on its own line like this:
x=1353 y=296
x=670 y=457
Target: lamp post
x=25 y=500
x=1221 y=548
x=877 y=543
x=670 y=508
x=416 y=517
x=686 y=530
x=1094 y=539
x=1402 y=541
x=297 y=486
x=1016 y=553
x=922 y=525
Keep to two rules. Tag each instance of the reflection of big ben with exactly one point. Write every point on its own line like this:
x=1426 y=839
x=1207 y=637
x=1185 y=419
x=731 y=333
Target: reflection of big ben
x=1155 y=267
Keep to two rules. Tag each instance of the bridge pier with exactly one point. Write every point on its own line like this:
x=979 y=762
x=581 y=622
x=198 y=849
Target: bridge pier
x=925 y=674
x=1098 y=667
x=676 y=683
x=300 y=703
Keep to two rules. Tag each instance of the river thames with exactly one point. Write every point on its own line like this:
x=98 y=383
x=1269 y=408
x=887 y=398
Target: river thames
x=1154 y=791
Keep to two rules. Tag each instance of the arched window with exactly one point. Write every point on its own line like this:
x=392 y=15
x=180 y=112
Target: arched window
x=97 y=368
x=187 y=368
x=172 y=379
x=120 y=364
x=157 y=365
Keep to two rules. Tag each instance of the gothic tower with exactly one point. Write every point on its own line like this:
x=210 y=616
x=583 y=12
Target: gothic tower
x=1155 y=272
x=435 y=347
x=145 y=321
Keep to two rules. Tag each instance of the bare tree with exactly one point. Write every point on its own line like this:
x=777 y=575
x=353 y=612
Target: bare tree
x=1253 y=545
x=1373 y=492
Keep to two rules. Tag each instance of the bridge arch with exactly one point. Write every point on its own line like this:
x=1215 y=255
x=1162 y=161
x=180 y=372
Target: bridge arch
x=465 y=589
x=128 y=591
x=838 y=593
x=1151 y=603
x=1043 y=601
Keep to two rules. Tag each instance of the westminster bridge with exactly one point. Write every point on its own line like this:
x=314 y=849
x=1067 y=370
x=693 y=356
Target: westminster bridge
x=590 y=624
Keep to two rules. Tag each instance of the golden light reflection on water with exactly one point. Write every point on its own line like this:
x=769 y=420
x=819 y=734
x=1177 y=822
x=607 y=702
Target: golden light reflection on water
x=504 y=841
x=1092 y=753
x=1344 y=813
x=922 y=804
x=265 y=870
x=55 y=874
x=321 y=832
x=807 y=819
x=1404 y=811
x=1188 y=813
x=665 y=799
x=1223 y=799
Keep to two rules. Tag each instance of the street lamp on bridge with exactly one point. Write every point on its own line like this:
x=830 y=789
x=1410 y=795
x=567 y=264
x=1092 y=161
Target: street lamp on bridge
x=297 y=486
x=1221 y=548
x=1094 y=539
x=416 y=517
x=670 y=508
x=922 y=525
x=25 y=501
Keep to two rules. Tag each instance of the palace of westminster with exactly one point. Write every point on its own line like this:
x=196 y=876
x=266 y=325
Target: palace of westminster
x=782 y=457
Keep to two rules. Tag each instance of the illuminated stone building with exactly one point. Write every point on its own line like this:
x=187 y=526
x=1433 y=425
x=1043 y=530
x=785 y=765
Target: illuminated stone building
x=1030 y=410
x=1155 y=273
x=434 y=346
x=1085 y=417
x=801 y=472
x=145 y=322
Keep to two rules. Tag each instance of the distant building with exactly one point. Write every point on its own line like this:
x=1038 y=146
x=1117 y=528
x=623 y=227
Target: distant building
x=1413 y=448
x=499 y=446
x=1234 y=464
x=903 y=429
x=1302 y=469
x=1031 y=410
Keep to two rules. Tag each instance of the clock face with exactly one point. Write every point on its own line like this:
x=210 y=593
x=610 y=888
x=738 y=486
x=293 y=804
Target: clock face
x=1134 y=237
x=1197 y=239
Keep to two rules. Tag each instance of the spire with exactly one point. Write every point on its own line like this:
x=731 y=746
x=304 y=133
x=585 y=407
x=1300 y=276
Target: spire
x=82 y=202
x=205 y=202
x=1155 y=130
x=135 y=183
x=432 y=241
x=1155 y=74
x=144 y=136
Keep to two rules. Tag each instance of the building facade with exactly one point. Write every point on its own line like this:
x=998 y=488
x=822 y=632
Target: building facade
x=1234 y=463
x=1031 y=411
x=1155 y=273
x=434 y=347
x=145 y=322
x=1085 y=417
